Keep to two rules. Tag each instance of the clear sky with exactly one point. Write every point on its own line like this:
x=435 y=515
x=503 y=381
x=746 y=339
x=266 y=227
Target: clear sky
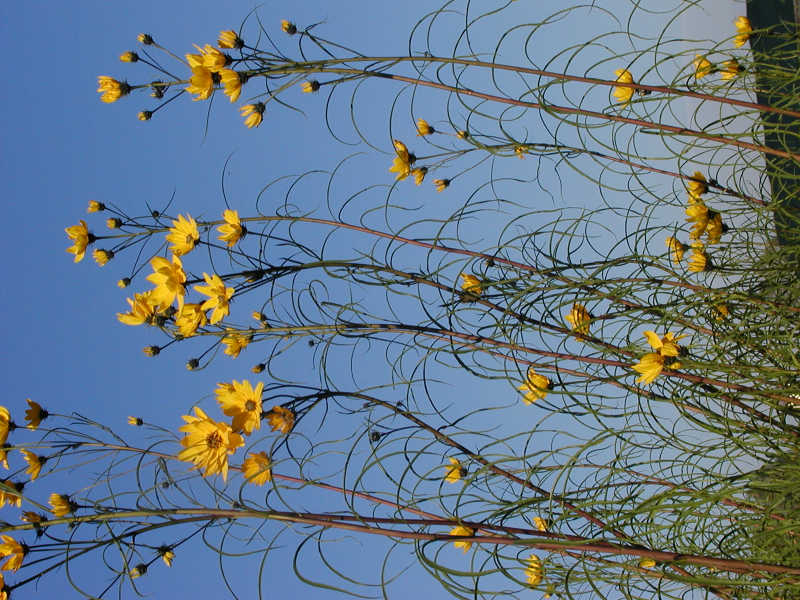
x=62 y=147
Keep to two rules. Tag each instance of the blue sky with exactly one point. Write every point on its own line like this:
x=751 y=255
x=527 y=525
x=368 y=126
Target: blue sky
x=62 y=147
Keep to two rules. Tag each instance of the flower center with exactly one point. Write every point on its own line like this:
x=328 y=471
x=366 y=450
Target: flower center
x=250 y=406
x=214 y=440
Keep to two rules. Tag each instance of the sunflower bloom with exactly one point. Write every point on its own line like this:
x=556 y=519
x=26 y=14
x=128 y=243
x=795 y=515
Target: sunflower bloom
x=730 y=69
x=650 y=367
x=540 y=523
x=232 y=231
x=144 y=309
x=201 y=83
x=623 y=94
x=232 y=83
x=744 y=30
x=241 y=401
x=81 y=238
x=253 y=114
x=229 y=39
x=280 y=419
x=61 y=505
x=702 y=66
x=534 y=571
x=235 y=342
x=219 y=297
x=441 y=184
x=665 y=346
x=465 y=545
x=453 y=471
x=208 y=443
x=402 y=162
x=168 y=277
x=579 y=319
x=535 y=387
x=183 y=235
x=34 y=464
x=110 y=89
x=256 y=468
x=424 y=128
x=190 y=318
x=11 y=496
x=697 y=186
x=676 y=249
x=471 y=284
x=699 y=260
x=34 y=414
x=10 y=547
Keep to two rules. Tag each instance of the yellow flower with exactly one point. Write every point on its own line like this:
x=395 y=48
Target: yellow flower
x=32 y=517
x=34 y=463
x=208 y=443
x=423 y=128
x=4 y=457
x=721 y=311
x=288 y=27
x=462 y=134
x=665 y=346
x=699 y=215
x=190 y=318
x=540 y=523
x=110 y=89
x=452 y=472
x=419 y=174
x=232 y=231
x=744 y=30
x=101 y=257
x=465 y=545
x=650 y=367
x=471 y=284
x=579 y=319
x=698 y=261
x=168 y=279
x=144 y=309
x=520 y=151
x=61 y=505
x=5 y=425
x=145 y=38
x=10 y=547
x=402 y=162
x=534 y=572
x=715 y=228
x=34 y=414
x=235 y=342
x=81 y=238
x=259 y=368
x=730 y=69
x=151 y=350
x=212 y=59
x=95 y=206
x=113 y=223
x=229 y=39
x=167 y=555
x=219 y=297
x=11 y=495
x=702 y=66
x=201 y=83
x=232 y=82
x=623 y=94
x=280 y=419
x=135 y=421
x=675 y=248
x=253 y=113
x=535 y=387
x=310 y=86
x=647 y=563
x=123 y=283
x=441 y=184
x=183 y=235
x=697 y=186
x=144 y=115
x=256 y=468
x=138 y=570
x=129 y=57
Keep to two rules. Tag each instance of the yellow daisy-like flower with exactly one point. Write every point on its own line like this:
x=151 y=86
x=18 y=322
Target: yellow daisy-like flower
x=650 y=367
x=288 y=27
x=110 y=89
x=81 y=238
x=402 y=162
x=441 y=184
x=744 y=30
x=419 y=174
x=721 y=311
x=579 y=319
x=697 y=186
x=138 y=570
x=34 y=414
x=453 y=471
x=211 y=58
x=61 y=505
x=10 y=547
x=465 y=545
x=232 y=83
x=113 y=223
x=623 y=94
x=715 y=228
x=95 y=206
x=534 y=571
x=144 y=115
x=101 y=257
x=280 y=419
x=647 y=563
x=253 y=114
x=11 y=495
x=730 y=69
x=232 y=231
x=665 y=346
x=34 y=464
x=135 y=421
x=190 y=318
x=699 y=215
x=235 y=342
x=471 y=284
x=310 y=87
x=256 y=468
x=144 y=309
x=201 y=83
x=167 y=555
x=241 y=401
x=208 y=443
x=5 y=425
x=229 y=39
x=32 y=517
x=676 y=249
x=129 y=57
x=540 y=523
x=424 y=128
x=535 y=387
x=145 y=38
x=183 y=235
x=219 y=297
x=702 y=66
x=168 y=277
x=699 y=260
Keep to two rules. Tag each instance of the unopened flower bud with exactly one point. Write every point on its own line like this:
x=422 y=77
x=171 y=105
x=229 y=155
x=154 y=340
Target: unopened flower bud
x=130 y=57
x=123 y=283
x=144 y=115
x=192 y=364
x=258 y=368
x=113 y=223
x=145 y=38
x=151 y=350
x=288 y=27
x=95 y=206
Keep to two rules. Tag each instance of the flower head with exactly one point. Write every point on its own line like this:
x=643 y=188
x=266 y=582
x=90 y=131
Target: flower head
x=190 y=318
x=256 y=468
x=253 y=113
x=419 y=174
x=280 y=419
x=10 y=493
x=623 y=94
x=219 y=297
x=232 y=83
x=95 y=206
x=310 y=86
x=183 y=235
x=721 y=311
x=730 y=69
x=699 y=215
x=744 y=30
x=288 y=27
x=441 y=184
x=5 y=425
x=232 y=231
x=10 y=547
x=201 y=83
x=144 y=309
x=465 y=545
x=520 y=152
x=535 y=387
x=110 y=89
x=534 y=571
x=650 y=367
x=166 y=553
x=453 y=472
x=34 y=414
x=113 y=223
x=675 y=248
x=424 y=128
x=699 y=260
x=32 y=517
x=34 y=463
x=235 y=342
x=471 y=284
x=81 y=238
x=579 y=319
x=665 y=346
x=402 y=162
x=715 y=228
x=702 y=66
x=208 y=443
x=129 y=57
x=61 y=505
x=145 y=38
x=211 y=58
x=647 y=563
x=168 y=278
x=697 y=186
x=241 y=401
x=229 y=39
x=540 y=523
x=101 y=257
x=135 y=421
